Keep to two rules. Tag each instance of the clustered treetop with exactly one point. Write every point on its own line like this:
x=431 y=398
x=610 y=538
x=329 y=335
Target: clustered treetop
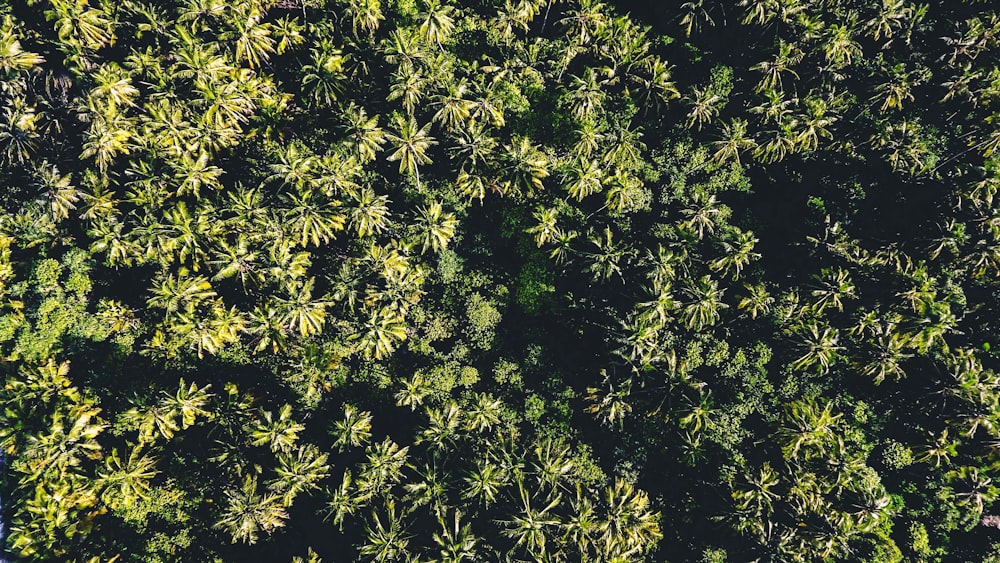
x=533 y=280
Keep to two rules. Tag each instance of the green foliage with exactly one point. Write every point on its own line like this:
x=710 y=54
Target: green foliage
x=534 y=286
x=520 y=280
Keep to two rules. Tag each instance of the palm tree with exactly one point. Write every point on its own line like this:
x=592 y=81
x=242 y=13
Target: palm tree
x=484 y=413
x=834 y=287
x=237 y=260
x=454 y=110
x=589 y=139
x=657 y=86
x=386 y=541
x=631 y=528
x=553 y=462
x=473 y=144
x=267 y=325
x=311 y=219
x=739 y=254
x=343 y=502
x=279 y=433
x=526 y=166
x=443 y=426
x=300 y=312
x=782 y=143
x=198 y=60
x=704 y=107
x=515 y=16
x=299 y=472
x=694 y=14
x=384 y=466
x=196 y=173
x=703 y=216
x=839 y=47
x=180 y=293
x=368 y=137
x=819 y=344
x=975 y=489
x=107 y=137
x=437 y=22
x=787 y=57
x=354 y=429
x=758 y=498
x=436 y=227
x=380 y=334
x=113 y=90
x=57 y=191
x=734 y=139
x=252 y=39
x=607 y=260
x=411 y=143
x=545 y=229
x=408 y=86
x=365 y=15
x=19 y=132
x=247 y=513
x=77 y=24
x=810 y=425
x=189 y=403
x=124 y=484
x=891 y=16
x=586 y=177
x=531 y=526
x=814 y=125
x=940 y=449
x=13 y=58
x=585 y=94
x=704 y=303
x=758 y=301
x=207 y=333
x=586 y=21
x=404 y=49
x=326 y=76
x=456 y=540
x=485 y=482
x=622 y=191
x=371 y=216
x=698 y=415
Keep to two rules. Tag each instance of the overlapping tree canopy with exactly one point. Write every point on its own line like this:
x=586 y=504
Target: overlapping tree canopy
x=535 y=280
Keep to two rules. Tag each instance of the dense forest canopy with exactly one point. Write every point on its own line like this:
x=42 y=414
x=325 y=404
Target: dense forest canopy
x=499 y=280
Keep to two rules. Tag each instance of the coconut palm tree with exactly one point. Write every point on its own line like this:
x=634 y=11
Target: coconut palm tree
x=247 y=513
x=703 y=303
x=454 y=110
x=250 y=37
x=366 y=15
x=436 y=227
x=380 y=334
x=299 y=472
x=386 y=541
x=312 y=218
x=180 y=293
x=734 y=140
x=585 y=178
x=280 y=432
x=531 y=527
x=411 y=143
x=354 y=429
x=437 y=21
x=525 y=165
x=819 y=345
x=123 y=484
x=364 y=131
x=325 y=78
